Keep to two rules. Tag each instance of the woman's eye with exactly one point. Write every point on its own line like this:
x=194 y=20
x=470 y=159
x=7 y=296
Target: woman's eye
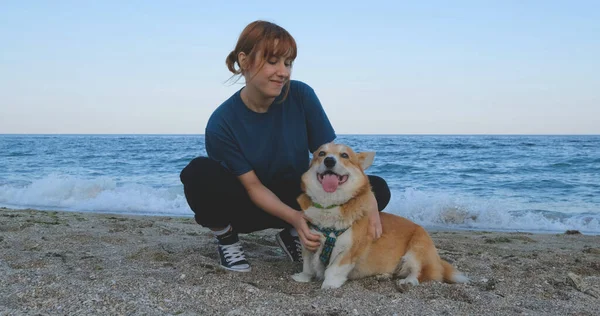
x=322 y=154
x=345 y=155
x=272 y=61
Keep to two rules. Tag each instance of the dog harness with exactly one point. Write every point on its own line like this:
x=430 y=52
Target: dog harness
x=329 y=241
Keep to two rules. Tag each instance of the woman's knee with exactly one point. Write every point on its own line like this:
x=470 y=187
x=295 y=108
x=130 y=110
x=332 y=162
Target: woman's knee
x=381 y=190
x=212 y=192
x=205 y=220
x=197 y=168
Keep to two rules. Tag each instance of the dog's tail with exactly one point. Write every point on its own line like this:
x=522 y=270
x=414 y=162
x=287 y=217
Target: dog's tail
x=451 y=275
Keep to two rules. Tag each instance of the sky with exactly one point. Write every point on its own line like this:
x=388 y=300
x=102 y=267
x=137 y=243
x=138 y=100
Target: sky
x=378 y=67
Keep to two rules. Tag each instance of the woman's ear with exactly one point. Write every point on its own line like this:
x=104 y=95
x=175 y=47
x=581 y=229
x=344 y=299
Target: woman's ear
x=243 y=61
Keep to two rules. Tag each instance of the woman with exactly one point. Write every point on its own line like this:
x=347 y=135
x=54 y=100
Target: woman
x=258 y=144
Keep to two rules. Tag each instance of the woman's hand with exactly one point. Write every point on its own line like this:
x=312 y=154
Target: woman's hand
x=268 y=201
x=309 y=240
x=374 y=229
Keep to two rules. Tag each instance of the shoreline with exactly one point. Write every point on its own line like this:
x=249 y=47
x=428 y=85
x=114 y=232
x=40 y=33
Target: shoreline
x=429 y=228
x=64 y=262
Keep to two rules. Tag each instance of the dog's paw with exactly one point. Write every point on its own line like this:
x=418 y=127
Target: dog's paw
x=320 y=275
x=332 y=284
x=383 y=277
x=409 y=281
x=404 y=285
x=460 y=278
x=301 y=277
x=326 y=286
x=402 y=288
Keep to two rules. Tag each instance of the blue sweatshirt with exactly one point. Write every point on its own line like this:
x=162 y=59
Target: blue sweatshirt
x=275 y=144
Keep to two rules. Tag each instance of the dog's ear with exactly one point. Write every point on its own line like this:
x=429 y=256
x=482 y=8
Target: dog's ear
x=366 y=159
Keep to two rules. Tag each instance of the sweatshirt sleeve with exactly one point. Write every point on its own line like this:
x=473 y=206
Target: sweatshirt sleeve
x=226 y=151
x=319 y=128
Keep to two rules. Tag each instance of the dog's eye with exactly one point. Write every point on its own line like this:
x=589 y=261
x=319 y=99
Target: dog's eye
x=322 y=154
x=344 y=155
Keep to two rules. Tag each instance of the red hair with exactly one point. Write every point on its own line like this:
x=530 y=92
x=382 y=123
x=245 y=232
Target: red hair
x=265 y=38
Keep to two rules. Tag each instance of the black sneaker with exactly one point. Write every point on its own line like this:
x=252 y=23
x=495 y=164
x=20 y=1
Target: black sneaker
x=231 y=253
x=291 y=245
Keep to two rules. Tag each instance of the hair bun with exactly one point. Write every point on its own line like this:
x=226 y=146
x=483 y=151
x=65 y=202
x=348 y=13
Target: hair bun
x=230 y=62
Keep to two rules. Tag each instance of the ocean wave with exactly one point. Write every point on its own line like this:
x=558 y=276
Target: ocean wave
x=20 y=154
x=427 y=208
x=538 y=183
x=527 y=144
x=463 y=146
x=560 y=165
x=464 y=212
x=101 y=194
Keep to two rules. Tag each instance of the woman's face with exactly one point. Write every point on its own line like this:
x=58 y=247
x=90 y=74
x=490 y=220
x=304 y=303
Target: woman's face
x=269 y=79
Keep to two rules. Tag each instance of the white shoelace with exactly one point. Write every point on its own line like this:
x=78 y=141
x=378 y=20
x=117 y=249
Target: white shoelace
x=233 y=252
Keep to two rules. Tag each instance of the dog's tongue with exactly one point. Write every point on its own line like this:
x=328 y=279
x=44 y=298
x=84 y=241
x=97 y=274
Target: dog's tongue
x=330 y=183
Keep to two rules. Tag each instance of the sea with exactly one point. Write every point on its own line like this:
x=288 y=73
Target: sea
x=525 y=183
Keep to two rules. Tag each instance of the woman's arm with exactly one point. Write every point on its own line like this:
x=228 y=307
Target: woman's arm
x=270 y=203
x=374 y=228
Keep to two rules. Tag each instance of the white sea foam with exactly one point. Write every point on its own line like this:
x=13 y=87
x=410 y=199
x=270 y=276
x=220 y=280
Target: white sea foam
x=103 y=194
x=462 y=212
x=100 y=194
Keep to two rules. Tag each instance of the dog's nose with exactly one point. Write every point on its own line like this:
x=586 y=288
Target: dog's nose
x=329 y=162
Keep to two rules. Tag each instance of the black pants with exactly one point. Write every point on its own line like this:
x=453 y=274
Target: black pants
x=218 y=198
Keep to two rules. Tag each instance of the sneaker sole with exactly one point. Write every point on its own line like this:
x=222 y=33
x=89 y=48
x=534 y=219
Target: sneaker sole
x=236 y=270
x=282 y=246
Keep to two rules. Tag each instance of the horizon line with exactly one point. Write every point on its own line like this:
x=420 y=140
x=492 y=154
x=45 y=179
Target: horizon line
x=338 y=134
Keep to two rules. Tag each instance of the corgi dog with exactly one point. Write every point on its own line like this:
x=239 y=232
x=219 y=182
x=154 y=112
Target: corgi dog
x=336 y=198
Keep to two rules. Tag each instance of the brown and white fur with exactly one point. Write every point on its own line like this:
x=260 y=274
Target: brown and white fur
x=404 y=249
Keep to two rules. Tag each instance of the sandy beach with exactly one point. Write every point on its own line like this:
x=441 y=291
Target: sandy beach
x=67 y=263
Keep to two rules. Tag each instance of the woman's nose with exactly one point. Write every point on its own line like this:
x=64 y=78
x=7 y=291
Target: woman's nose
x=283 y=70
